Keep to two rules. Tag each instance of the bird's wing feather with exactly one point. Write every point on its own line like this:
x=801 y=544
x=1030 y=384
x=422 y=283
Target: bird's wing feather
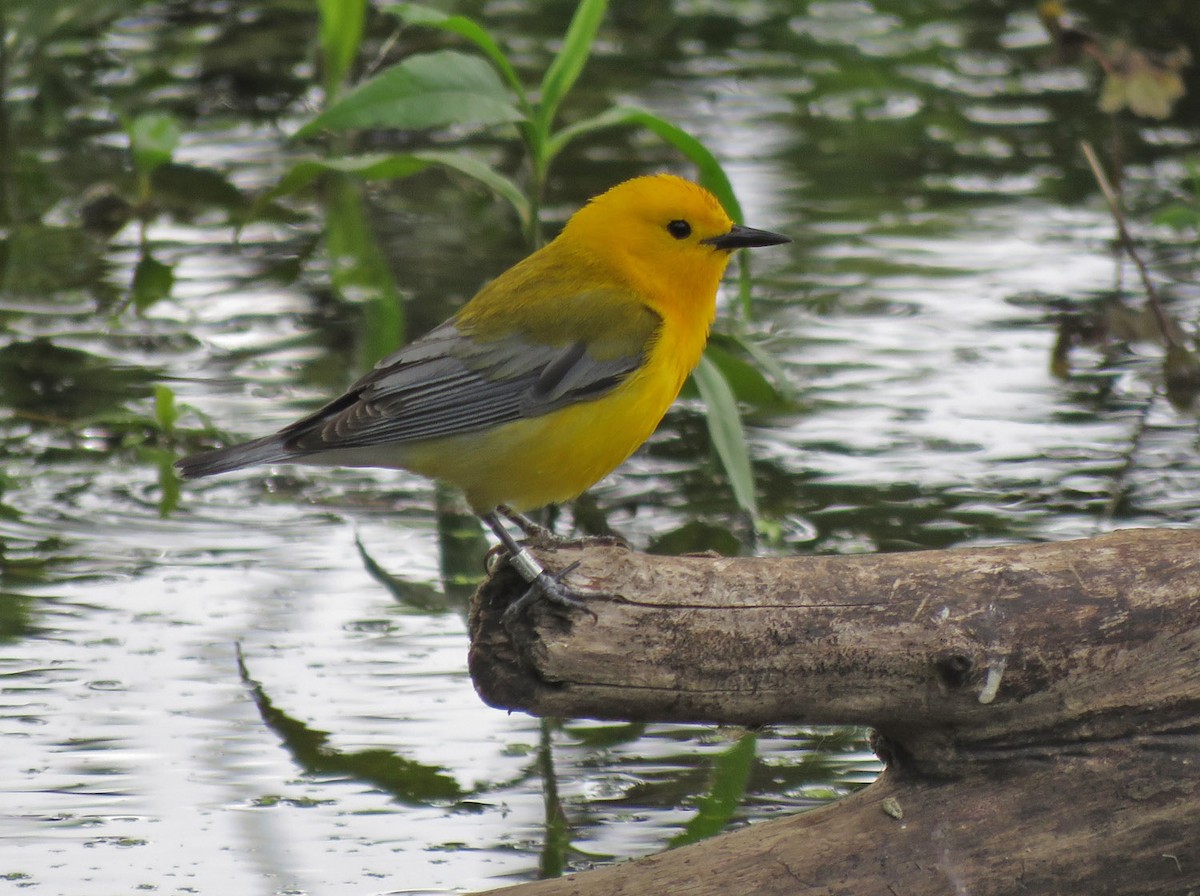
x=450 y=382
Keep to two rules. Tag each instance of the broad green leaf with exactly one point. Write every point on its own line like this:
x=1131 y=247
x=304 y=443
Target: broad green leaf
x=728 y=435
x=765 y=364
x=153 y=138
x=731 y=774
x=416 y=14
x=152 y=281
x=560 y=77
x=746 y=380
x=486 y=175
x=601 y=737
x=367 y=167
x=194 y=188
x=400 y=165
x=341 y=34
x=430 y=90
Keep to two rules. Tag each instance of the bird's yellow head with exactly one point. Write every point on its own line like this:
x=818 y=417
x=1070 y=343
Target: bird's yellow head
x=667 y=237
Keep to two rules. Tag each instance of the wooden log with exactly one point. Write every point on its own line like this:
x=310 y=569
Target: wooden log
x=1038 y=706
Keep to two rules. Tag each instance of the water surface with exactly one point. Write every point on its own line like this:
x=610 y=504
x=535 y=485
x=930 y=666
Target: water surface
x=230 y=697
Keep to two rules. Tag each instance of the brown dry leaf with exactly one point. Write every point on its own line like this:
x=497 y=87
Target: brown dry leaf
x=1149 y=86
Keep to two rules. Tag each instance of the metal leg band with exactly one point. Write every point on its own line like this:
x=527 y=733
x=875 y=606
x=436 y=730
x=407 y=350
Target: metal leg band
x=526 y=566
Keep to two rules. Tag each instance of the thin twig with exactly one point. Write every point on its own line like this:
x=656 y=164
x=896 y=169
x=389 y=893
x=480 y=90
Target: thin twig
x=381 y=56
x=1114 y=205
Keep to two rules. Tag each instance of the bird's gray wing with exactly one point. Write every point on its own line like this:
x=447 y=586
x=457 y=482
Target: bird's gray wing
x=450 y=382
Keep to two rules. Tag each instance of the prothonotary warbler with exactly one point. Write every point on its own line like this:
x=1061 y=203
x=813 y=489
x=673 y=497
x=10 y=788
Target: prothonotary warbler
x=551 y=376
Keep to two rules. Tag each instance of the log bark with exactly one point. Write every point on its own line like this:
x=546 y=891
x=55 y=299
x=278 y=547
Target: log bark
x=1038 y=707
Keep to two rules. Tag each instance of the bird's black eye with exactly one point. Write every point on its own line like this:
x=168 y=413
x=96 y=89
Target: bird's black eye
x=681 y=230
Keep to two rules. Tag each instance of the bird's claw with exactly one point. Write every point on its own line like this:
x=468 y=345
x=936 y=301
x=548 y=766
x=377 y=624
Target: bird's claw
x=550 y=588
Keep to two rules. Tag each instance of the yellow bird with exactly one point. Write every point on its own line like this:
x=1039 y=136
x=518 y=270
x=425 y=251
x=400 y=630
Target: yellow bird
x=549 y=378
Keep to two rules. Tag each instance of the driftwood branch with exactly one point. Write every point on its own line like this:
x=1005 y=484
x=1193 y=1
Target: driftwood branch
x=1038 y=707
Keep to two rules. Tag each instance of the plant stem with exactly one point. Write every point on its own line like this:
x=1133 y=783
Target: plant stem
x=1123 y=237
x=6 y=158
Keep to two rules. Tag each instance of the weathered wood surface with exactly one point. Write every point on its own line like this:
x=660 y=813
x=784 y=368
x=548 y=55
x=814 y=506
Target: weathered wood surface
x=1038 y=705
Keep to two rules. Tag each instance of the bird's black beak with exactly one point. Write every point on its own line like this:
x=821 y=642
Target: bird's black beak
x=740 y=237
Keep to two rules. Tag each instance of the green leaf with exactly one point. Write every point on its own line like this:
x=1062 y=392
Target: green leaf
x=1178 y=216
x=341 y=33
x=486 y=175
x=765 y=364
x=747 y=381
x=430 y=90
x=153 y=138
x=601 y=737
x=400 y=165
x=416 y=14
x=366 y=167
x=193 y=188
x=166 y=412
x=731 y=774
x=417 y=595
x=408 y=781
x=728 y=435
x=560 y=77
x=152 y=281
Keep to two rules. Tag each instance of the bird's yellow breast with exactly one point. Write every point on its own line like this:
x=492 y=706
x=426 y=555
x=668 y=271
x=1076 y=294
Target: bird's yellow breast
x=557 y=456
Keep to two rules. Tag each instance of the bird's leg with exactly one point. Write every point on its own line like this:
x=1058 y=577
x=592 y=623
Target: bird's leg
x=532 y=529
x=539 y=534
x=541 y=583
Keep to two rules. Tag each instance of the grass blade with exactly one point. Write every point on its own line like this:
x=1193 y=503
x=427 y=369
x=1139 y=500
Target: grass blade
x=560 y=77
x=727 y=433
x=340 y=36
x=731 y=774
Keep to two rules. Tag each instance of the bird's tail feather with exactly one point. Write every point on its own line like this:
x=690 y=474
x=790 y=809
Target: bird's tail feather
x=267 y=450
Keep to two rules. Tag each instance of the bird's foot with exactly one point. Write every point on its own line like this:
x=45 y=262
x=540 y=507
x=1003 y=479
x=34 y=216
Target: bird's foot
x=532 y=530
x=551 y=589
x=537 y=534
x=541 y=584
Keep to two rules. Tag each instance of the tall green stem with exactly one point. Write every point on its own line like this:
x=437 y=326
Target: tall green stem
x=6 y=148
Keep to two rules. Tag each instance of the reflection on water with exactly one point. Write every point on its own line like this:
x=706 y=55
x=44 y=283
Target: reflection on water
x=265 y=690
